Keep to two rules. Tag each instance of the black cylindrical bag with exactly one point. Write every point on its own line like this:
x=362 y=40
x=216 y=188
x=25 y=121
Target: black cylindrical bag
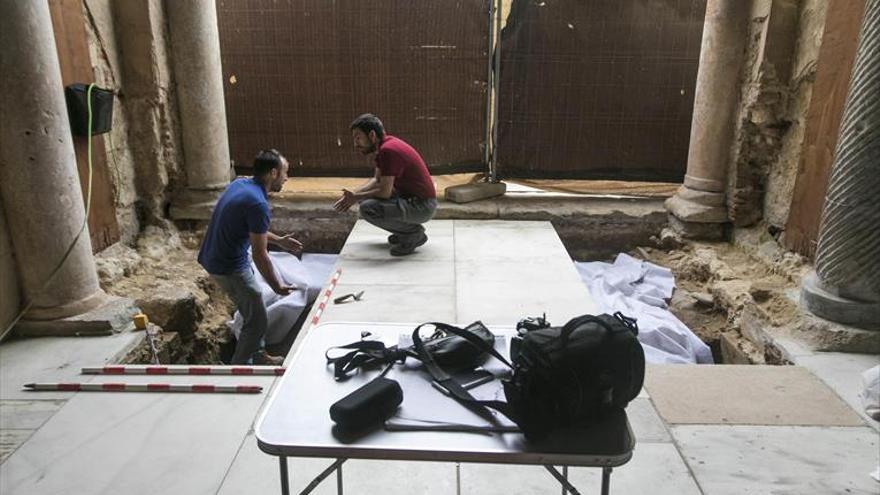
x=367 y=406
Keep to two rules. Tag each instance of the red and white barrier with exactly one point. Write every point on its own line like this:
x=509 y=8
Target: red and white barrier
x=142 y=387
x=184 y=370
x=325 y=298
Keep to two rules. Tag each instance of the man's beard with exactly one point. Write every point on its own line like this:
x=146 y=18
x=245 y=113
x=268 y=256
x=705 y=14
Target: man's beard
x=367 y=151
x=276 y=187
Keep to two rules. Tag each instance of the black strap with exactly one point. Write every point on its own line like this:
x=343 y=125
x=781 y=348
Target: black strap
x=455 y=389
x=363 y=353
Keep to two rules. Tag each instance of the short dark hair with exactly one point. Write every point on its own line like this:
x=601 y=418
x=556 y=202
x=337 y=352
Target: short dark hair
x=368 y=122
x=265 y=161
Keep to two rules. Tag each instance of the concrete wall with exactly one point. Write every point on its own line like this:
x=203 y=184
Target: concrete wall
x=129 y=52
x=777 y=83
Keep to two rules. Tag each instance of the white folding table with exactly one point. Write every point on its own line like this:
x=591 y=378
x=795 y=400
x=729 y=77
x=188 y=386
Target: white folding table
x=296 y=421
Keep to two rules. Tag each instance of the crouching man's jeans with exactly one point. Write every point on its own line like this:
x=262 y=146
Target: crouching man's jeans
x=244 y=291
x=400 y=216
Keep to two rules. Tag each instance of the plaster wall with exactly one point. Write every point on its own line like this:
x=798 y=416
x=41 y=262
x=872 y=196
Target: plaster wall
x=129 y=49
x=776 y=87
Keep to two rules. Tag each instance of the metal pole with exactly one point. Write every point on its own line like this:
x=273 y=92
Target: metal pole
x=493 y=169
x=564 y=475
x=489 y=86
x=285 y=481
x=606 y=480
x=457 y=478
x=339 y=480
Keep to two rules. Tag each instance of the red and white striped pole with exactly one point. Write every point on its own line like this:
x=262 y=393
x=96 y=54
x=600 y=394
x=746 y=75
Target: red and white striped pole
x=142 y=387
x=184 y=370
x=325 y=298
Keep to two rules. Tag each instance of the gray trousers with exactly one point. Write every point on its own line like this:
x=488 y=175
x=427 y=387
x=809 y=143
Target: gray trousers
x=398 y=215
x=244 y=291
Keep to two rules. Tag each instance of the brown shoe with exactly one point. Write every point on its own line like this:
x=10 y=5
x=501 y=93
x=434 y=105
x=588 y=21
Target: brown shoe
x=263 y=358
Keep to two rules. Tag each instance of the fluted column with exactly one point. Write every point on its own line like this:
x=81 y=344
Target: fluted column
x=39 y=184
x=701 y=199
x=845 y=286
x=195 y=50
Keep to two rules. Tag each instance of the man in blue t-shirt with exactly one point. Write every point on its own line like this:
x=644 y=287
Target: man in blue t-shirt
x=241 y=219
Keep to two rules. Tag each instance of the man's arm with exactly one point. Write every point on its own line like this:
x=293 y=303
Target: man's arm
x=381 y=189
x=285 y=242
x=259 y=242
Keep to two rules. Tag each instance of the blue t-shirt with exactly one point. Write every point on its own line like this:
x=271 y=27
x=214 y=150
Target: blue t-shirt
x=241 y=210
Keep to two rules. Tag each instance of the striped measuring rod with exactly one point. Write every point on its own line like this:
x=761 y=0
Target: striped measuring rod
x=130 y=369
x=142 y=387
x=326 y=297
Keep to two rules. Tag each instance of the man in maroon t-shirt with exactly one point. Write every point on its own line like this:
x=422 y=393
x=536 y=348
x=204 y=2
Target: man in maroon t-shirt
x=400 y=197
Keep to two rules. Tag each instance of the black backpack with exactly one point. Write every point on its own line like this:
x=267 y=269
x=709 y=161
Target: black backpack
x=562 y=376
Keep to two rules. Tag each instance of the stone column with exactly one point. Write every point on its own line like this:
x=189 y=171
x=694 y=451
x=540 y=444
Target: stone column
x=845 y=286
x=698 y=208
x=39 y=184
x=195 y=47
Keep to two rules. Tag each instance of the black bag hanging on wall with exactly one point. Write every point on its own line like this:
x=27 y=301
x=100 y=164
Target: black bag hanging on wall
x=78 y=110
x=562 y=376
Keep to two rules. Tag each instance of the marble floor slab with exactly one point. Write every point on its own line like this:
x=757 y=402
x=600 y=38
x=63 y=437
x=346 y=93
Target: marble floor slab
x=785 y=460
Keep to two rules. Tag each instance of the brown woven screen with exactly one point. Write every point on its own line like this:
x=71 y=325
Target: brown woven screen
x=297 y=72
x=598 y=89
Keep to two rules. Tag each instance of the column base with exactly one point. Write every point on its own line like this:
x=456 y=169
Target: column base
x=113 y=316
x=194 y=204
x=693 y=205
x=697 y=231
x=825 y=304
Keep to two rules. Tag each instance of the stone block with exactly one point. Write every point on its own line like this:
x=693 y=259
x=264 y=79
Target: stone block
x=173 y=309
x=111 y=317
x=466 y=193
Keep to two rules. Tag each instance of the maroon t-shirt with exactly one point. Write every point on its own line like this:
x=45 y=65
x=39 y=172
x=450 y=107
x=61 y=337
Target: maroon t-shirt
x=411 y=176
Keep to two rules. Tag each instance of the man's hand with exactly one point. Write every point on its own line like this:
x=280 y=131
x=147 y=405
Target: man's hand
x=289 y=244
x=346 y=201
x=283 y=290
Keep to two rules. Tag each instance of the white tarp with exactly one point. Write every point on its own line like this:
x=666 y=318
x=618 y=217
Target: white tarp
x=640 y=289
x=309 y=275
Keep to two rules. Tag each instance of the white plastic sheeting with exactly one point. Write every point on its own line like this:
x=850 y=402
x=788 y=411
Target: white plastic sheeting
x=640 y=289
x=308 y=275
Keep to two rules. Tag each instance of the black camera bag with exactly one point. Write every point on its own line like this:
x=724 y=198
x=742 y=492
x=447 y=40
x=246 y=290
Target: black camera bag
x=562 y=376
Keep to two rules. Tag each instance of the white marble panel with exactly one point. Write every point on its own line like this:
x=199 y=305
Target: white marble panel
x=27 y=414
x=507 y=241
x=646 y=423
x=256 y=472
x=843 y=373
x=525 y=272
x=9 y=441
x=55 y=359
x=655 y=469
x=400 y=271
x=504 y=303
x=780 y=459
x=136 y=443
x=393 y=304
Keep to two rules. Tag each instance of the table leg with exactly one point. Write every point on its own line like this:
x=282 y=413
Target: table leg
x=606 y=480
x=339 y=480
x=285 y=481
x=564 y=475
x=562 y=480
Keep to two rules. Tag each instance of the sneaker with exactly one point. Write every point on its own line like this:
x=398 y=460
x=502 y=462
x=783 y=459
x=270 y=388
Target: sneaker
x=263 y=358
x=408 y=248
x=393 y=239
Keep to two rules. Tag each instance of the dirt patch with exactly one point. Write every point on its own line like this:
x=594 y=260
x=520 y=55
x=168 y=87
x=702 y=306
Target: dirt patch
x=714 y=283
x=166 y=264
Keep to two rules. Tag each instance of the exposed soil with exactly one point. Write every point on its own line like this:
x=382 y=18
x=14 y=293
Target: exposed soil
x=714 y=281
x=165 y=263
